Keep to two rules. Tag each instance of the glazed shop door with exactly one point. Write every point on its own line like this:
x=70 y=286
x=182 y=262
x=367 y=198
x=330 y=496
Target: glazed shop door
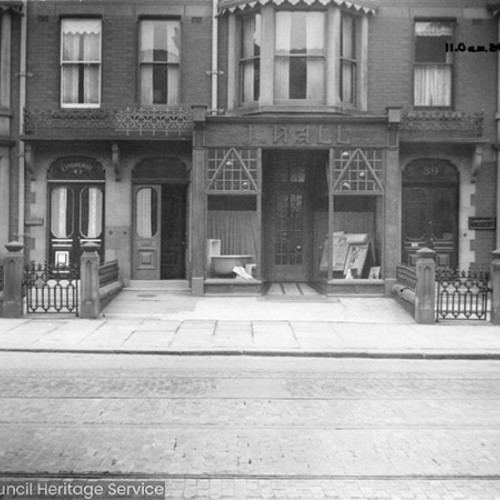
x=76 y=217
x=159 y=232
x=430 y=219
x=286 y=227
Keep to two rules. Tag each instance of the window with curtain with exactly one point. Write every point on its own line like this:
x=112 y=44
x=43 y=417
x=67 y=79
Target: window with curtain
x=146 y=221
x=91 y=212
x=80 y=62
x=159 y=60
x=250 y=57
x=62 y=215
x=348 y=60
x=433 y=65
x=299 y=70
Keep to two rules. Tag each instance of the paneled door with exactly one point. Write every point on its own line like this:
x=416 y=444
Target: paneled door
x=147 y=232
x=159 y=242
x=76 y=217
x=430 y=219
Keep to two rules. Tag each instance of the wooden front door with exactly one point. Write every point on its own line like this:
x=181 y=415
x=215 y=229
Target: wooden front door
x=76 y=217
x=159 y=232
x=287 y=242
x=173 y=230
x=430 y=219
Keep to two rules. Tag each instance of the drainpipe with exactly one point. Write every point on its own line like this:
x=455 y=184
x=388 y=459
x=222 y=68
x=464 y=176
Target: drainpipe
x=22 y=104
x=215 y=60
x=498 y=136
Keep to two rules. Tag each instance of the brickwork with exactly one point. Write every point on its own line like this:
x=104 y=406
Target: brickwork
x=120 y=50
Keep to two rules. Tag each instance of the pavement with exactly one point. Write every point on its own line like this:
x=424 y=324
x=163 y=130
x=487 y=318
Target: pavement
x=161 y=322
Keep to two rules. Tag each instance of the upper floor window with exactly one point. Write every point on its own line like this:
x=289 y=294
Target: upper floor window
x=297 y=57
x=81 y=62
x=433 y=65
x=159 y=61
x=250 y=57
x=299 y=68
x=348 y=63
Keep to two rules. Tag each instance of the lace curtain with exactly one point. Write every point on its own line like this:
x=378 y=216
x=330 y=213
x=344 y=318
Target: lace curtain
x=81 y=57
x=159 y=58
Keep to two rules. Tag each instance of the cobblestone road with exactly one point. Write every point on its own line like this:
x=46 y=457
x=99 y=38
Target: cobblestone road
x=255 y=428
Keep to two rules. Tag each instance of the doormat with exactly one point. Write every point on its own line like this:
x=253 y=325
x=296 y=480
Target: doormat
x=292 y=291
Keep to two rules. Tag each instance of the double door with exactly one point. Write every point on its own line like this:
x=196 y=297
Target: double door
x=430 y=219
x=76 y=217
x=159 y=242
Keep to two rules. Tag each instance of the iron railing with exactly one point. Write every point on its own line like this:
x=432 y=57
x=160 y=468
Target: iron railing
x=462 y=294
x=108 y=273
x=171 y=121
x=51 y=288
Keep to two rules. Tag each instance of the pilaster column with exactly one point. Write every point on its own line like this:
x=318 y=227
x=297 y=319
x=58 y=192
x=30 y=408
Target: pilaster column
x=5 y=59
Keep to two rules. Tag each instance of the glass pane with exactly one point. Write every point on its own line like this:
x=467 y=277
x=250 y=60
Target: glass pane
x=146 y=212
x=348 y=48
x=160 y=41
x=430 y=41
x=415 y=214
x=81 y=40
x=443 y=207
x=433 y=85
x=62 y=212
x=91 y=212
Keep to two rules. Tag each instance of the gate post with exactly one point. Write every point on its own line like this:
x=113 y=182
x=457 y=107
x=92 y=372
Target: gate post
x=425 y=291
x=13 y=280
x=89 y=281
x=495 y=287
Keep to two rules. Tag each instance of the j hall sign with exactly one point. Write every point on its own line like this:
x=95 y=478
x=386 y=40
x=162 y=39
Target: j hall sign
x=295 y=135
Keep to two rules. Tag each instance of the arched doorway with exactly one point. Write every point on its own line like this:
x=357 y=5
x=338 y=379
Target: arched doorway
x=430 y=211
x=76 y=208
x=159 y=228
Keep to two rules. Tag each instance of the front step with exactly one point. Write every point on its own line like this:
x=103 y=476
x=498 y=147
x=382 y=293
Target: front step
x=166 y=285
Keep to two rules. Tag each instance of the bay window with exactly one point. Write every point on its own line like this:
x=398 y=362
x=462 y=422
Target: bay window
x=297 y=57
x=159 y=62
x=433 y=65
x=299 y=68
x=80 y=62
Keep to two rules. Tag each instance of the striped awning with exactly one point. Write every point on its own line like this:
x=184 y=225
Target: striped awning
x=365 y=6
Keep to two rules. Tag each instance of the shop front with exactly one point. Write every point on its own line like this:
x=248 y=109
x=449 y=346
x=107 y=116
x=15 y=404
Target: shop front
x=306 y=200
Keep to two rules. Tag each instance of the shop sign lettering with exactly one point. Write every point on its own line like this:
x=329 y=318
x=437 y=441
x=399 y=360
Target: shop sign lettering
x=295 y=135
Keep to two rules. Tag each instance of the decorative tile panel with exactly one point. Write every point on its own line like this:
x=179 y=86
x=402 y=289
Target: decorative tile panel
x=233 y=170
x=358 y=171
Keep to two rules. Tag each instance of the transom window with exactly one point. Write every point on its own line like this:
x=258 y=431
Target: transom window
x=159 y=61
x=299 y=69
x=433 y=65
x=80 y=62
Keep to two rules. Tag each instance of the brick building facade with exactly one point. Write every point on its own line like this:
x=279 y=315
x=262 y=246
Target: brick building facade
x=305 y=141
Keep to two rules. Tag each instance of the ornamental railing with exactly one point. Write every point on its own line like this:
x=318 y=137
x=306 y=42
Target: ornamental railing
x=171 y=121
x=462 y=294
x=51 y=288
x=468 y=124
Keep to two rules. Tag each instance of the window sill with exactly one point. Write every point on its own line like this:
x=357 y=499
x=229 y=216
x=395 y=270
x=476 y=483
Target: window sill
x=295 y=107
